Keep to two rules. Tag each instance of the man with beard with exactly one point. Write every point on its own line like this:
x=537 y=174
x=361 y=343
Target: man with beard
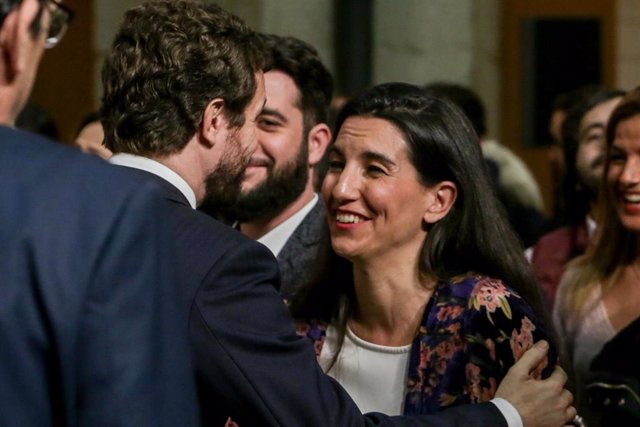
x=583 y=141
x=278 y=205
x=183 y=88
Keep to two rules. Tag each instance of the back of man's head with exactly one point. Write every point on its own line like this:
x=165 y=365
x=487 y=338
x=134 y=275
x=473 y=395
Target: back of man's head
x=169 y=59
x=300 y=61
x=465 y=99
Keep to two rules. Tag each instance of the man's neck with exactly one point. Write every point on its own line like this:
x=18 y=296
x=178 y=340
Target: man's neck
x=157 y=168
x=7 y=106
x=257 y=228
x=187 y=163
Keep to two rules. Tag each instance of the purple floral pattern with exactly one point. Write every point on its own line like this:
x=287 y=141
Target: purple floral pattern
x=473 y=330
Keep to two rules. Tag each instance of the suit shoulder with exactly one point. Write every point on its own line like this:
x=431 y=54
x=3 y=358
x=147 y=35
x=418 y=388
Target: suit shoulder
x=29 y=160
x=196 y=229
x=54 y=184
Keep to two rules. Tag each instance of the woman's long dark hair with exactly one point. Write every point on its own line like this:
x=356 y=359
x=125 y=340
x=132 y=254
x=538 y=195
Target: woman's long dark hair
x=474 y=237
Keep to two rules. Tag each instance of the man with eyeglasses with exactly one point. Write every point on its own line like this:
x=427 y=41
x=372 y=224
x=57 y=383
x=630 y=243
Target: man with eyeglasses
x=89 y=330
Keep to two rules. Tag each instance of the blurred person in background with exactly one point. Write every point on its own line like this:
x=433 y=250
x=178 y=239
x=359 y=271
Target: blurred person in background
x=584 y=146
x=36 y=119
x=598 y=302
x=512 y=181
x=90 y=136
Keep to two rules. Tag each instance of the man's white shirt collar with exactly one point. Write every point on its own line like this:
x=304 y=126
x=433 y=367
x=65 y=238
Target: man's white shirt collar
x=156 y=168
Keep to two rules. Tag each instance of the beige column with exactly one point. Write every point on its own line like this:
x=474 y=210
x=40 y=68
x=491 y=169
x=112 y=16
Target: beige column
x=421 y=41
x=628 y=48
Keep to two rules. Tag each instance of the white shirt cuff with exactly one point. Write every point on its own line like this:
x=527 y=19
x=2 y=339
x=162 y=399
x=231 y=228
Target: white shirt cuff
x=508 y=412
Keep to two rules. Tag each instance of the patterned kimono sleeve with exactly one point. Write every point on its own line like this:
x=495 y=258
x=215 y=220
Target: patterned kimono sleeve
x=314 y=330
x=500 y=327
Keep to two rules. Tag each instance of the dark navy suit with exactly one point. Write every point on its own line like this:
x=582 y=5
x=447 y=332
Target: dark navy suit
x=89 y=328
x=250 y=364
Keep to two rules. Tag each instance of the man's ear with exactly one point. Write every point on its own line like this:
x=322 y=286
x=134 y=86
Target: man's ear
x=440 y=198
x=318 y=140
x=9 y=45
x=213 y=121
x=15 y=41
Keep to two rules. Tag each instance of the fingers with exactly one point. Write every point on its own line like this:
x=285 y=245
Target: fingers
x=570 y=414
x=531 y=358
x=558 y=375
x=566 y=398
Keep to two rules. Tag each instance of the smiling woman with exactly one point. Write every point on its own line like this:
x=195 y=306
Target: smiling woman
x=438 y=301
x=598 y=305
x=375 y=200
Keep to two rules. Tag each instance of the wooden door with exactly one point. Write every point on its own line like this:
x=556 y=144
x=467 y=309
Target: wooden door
x=519 y=72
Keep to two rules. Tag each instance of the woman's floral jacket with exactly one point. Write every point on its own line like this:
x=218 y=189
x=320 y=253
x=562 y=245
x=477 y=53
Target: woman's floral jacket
x=473 y=330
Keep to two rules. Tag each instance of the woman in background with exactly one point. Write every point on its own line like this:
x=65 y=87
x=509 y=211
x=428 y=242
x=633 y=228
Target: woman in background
x=598 y=299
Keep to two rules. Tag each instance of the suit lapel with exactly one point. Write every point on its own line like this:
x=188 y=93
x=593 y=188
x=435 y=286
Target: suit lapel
x=310 y=232
x=301 y=256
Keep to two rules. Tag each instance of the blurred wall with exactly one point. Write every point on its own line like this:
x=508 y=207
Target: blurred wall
x=414 y=40
x=440 y=40
x=309 y=20
x=628 y=49
x=65 y=82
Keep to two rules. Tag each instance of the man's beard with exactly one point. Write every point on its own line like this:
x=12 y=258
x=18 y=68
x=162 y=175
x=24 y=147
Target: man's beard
x=223 y=185
x=269 y=198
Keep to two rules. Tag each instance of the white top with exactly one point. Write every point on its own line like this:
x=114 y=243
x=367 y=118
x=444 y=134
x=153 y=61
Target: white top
x=156 y=168
x=584 y=335
x=277 y=238
x=375 y=375
x=590 y=336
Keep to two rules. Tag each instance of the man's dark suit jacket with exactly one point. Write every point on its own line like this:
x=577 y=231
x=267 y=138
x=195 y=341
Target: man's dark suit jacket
x=89 y=331
x=305 y=255
x=250 y=364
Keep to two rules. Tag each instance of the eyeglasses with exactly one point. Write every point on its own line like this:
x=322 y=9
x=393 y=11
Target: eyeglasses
x=61 y=15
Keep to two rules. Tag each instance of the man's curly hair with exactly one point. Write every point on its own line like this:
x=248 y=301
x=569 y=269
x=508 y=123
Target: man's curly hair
x=169 y=59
